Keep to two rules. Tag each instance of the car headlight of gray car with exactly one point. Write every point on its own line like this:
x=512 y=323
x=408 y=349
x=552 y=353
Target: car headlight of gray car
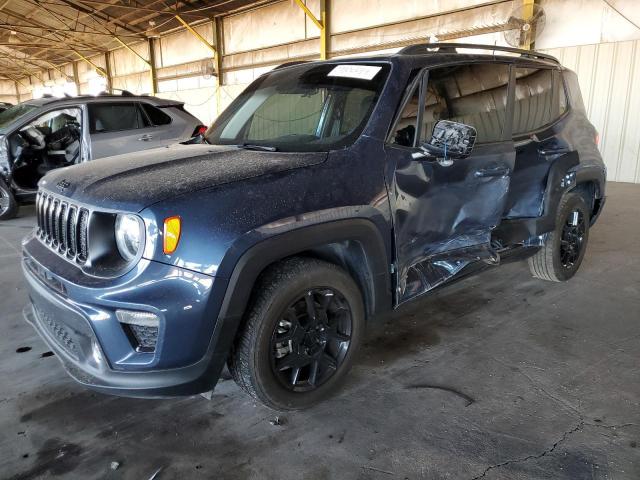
x=129 y=236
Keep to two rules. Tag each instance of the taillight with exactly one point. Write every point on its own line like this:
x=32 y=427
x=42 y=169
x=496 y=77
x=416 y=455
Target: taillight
x=200 y=130
x=596 y=138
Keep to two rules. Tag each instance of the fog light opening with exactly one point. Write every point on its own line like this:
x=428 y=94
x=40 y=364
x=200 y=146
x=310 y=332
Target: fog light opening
x=141 y=328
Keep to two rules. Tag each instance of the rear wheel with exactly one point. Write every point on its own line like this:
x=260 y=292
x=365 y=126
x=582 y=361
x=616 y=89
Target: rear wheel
x=8 y=203
x=300 y=334
x=562 y=254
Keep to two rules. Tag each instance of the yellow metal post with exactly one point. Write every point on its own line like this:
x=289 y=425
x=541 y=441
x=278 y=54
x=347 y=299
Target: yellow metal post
x=152 y=67
x=197 y=35
x=528 y=15
x=324 y=31
x=100 y=70
x=322 y=23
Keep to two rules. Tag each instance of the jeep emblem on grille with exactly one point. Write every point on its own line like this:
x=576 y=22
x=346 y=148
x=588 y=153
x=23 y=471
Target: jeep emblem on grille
x=63 y=185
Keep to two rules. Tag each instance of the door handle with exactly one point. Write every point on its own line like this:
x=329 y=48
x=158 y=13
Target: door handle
x=145 y=138
x=492 y=172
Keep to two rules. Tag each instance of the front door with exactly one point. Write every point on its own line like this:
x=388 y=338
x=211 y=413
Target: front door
x=444 y=214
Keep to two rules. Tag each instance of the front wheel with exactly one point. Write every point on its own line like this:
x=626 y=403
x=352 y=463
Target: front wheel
x=301 y=332
x=8 y=203
x=565 y=247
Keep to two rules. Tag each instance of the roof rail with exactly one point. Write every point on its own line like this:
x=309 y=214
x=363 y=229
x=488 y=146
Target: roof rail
x=452 y=48
x=290 y=64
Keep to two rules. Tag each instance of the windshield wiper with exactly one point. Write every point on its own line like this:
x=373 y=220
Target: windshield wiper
x=262 y=148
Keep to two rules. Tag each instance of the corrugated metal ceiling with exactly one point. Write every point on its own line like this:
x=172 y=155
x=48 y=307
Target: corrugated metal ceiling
x=37 y=33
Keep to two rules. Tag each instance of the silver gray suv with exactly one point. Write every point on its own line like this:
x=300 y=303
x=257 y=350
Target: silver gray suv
x=41 y=135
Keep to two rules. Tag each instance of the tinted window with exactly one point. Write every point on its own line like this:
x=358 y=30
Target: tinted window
x=534 y=99
x=303 y=108
x=157 y=116
x=405 y=131
x=113 y=117
x=474 y=94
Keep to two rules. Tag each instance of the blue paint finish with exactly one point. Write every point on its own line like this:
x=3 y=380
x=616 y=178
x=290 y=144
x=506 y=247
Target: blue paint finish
x=418 y=224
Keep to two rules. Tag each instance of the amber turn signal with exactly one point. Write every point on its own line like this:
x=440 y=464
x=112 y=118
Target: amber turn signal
x=172 y=227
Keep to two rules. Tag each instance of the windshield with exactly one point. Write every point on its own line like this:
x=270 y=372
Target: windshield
x=303 y=108
x=11 y=114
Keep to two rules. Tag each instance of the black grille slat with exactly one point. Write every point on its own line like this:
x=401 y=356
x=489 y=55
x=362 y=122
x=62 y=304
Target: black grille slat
x=50 y=212
x=83 y=222
x=55 y=223
x=63 y=226
x=45 y=217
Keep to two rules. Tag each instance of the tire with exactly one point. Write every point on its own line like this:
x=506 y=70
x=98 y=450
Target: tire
x=8 y=203
x=278 y=331
x=557 y=260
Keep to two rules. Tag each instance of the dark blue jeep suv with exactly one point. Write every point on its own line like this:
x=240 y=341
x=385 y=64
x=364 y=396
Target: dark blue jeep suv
x=326 y=193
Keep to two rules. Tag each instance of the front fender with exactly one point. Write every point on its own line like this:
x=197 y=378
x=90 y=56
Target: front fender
x=253 y=252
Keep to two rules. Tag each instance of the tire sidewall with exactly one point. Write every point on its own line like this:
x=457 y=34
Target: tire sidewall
x=571 y=203
x=266 y=383
x=13 y=204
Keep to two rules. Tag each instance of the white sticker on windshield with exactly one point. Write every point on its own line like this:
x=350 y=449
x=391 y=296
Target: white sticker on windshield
x=363 y=72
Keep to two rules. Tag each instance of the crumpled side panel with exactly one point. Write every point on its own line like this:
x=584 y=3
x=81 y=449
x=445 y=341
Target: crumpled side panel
x=432 y=271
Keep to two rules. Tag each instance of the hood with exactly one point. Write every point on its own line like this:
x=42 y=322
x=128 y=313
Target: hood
x=134 y=181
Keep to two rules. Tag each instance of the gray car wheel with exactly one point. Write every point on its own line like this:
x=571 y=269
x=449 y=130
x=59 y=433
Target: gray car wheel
x=8 y=204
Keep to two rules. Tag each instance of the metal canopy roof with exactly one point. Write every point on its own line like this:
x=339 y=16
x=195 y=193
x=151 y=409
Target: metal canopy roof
x=43 y=34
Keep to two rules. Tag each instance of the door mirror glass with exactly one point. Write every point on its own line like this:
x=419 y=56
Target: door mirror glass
x=451 y=140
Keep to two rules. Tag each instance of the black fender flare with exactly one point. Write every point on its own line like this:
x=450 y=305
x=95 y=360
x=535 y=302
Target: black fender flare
x=247 y=258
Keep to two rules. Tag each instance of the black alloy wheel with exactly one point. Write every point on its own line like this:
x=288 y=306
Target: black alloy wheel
x=572 y=239
x=311 y=339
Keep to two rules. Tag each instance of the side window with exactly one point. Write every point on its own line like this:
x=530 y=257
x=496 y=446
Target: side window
x=157 y=116
x=474 y=94
x=533 y=107
x=405 y=130
x=113 y=117
x=53 y=122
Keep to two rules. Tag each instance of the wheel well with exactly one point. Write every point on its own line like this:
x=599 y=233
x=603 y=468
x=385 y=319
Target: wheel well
x=590 y=192
x=349 y=255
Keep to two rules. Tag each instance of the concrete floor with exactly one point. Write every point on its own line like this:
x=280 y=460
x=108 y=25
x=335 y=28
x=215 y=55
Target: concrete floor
x=534 y=380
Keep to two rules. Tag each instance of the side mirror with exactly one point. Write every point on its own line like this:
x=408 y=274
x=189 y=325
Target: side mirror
x=451 y=140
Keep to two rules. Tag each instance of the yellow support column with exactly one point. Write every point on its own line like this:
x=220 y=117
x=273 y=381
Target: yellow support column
x=528 y=15
x=322 y=23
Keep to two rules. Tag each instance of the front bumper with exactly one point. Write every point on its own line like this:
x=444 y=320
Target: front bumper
x=77 y=320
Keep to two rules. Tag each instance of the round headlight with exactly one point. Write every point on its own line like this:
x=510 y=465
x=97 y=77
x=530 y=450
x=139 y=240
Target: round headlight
x=129 y=236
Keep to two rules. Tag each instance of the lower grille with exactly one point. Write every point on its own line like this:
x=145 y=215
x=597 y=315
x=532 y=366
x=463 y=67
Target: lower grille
x=59 y=332
x=63 y=226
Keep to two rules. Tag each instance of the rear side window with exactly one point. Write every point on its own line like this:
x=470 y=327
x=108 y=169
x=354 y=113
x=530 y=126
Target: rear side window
x=473 y=94
x=533 y=107
x=157 y=116
x=113 y=117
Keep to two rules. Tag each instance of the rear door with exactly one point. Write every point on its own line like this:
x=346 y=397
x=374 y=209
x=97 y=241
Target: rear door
x=118 y=127
x=444 y=214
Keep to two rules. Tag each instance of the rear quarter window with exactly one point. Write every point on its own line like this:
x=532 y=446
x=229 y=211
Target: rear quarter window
x=156 y=116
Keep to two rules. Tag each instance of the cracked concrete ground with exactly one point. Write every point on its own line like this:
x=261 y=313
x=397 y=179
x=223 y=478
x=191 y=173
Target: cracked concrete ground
x=500 y=376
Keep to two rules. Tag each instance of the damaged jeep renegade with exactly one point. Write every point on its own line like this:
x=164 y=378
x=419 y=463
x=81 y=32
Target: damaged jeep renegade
x=327 y=193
